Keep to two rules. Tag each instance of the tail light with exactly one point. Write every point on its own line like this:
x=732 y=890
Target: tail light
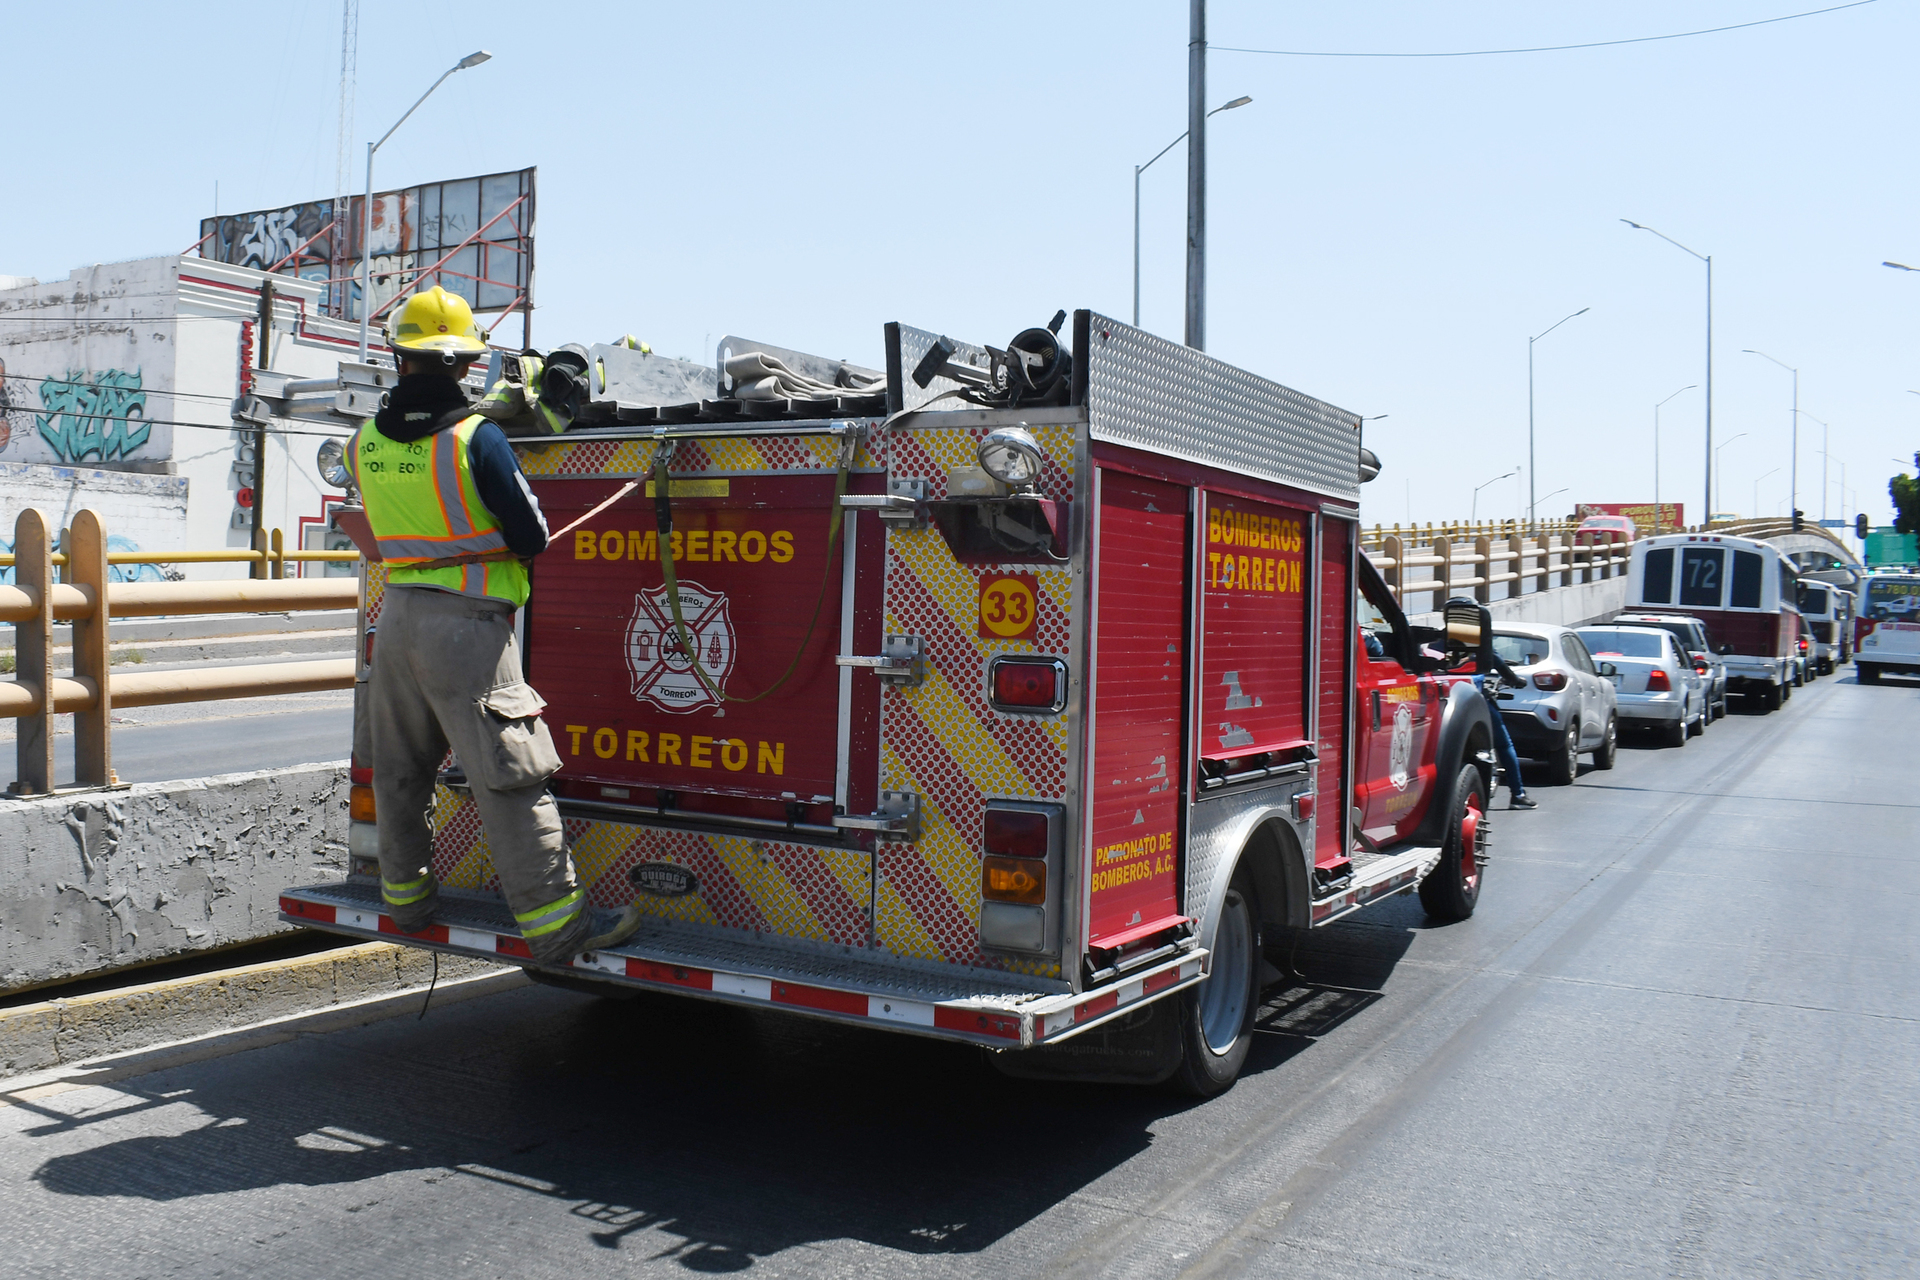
x=1017 y=833
x=360 y=804
x=358 y=774
x=1015 y=847
x=1657 y=682
x=1549 y=680
x=1029 y=684
x=1701 y=668
x=1014 y=879
x=1803 y=646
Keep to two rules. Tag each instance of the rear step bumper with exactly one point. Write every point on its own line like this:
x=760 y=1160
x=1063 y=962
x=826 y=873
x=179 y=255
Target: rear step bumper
x=968 y=1005
x=1377 y=876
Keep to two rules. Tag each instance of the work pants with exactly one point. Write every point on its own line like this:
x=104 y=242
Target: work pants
x=1502 y=743
x=446 y=672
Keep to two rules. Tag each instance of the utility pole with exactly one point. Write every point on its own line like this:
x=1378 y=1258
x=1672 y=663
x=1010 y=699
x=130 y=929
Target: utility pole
x=265 y=326
x=1197 y=177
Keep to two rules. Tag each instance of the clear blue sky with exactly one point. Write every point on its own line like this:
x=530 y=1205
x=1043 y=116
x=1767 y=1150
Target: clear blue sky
x=1386 y=233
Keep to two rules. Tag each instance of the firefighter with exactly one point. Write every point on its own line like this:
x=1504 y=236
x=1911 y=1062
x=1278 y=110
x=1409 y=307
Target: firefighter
x=457 y=525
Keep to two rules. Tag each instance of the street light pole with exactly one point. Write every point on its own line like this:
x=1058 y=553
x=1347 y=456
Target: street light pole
x=1708 y=260
x=1824 y=482
x=1657 y=509
x=1530 y=341
x=1475 y=506
x=1716 y=467
x=366 y=205
x=1196 y=336
x=1142 y=168
x=1793 y=484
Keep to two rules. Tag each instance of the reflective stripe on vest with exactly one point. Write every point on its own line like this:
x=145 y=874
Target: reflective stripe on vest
x=423 y=505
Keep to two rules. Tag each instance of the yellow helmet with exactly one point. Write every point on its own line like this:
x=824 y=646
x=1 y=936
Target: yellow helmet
x=436 y=321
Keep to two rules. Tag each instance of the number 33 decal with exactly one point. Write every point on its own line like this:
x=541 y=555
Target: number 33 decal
x=1007 y=609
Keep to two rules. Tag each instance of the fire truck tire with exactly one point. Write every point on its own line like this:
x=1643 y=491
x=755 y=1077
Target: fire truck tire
x=1216 y=1017
x=1565 y=765
x=1452 y=888
x=1609 y=748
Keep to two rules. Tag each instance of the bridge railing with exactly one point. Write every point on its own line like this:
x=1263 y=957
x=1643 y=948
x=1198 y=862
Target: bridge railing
x=1490 y=561
x=84 y=595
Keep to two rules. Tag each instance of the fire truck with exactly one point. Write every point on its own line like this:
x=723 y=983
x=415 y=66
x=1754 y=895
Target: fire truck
x=1011 y=696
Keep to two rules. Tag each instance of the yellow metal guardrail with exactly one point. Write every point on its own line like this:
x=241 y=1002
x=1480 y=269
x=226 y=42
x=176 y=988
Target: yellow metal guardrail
x=86 y=597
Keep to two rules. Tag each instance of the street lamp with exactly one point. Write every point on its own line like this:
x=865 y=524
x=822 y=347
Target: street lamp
x=1656 y=456
x=1756 y=491
x=1793 y=484
x=1824 y=432
x=1556 y=493
x=1142 y=168
x=1474 y=508
x=1899 y=266
x=1530 y=341
x=1708 y=259
x=1716 y=469
x=366 y=207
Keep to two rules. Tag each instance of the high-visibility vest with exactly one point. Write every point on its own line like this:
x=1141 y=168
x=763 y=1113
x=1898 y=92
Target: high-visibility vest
x=422 y=504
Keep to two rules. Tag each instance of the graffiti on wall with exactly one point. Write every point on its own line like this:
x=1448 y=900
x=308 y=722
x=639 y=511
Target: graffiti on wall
x=117 y=572
x=98 y=417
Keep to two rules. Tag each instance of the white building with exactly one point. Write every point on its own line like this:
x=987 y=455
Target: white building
x=116 y=387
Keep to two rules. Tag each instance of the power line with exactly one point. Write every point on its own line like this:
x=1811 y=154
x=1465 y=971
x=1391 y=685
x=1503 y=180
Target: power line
x=1549 y=48
x=345 y=429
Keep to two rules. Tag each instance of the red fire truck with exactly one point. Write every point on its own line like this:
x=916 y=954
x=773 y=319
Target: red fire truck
x=1078 y=690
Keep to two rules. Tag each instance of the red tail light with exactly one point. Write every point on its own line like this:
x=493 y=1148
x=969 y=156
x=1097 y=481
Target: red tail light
x=1030 y=684
x=1657 y=682
x=1549 y=680
x=1701 y=668
x=1016 y=833
x=358 y=774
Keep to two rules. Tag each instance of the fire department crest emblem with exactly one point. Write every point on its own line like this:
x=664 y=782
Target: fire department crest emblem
x=1400 y=753
x=662 y=668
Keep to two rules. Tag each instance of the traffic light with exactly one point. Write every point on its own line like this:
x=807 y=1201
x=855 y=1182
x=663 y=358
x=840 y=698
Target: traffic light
x=1798 y=522
x=1860 y=526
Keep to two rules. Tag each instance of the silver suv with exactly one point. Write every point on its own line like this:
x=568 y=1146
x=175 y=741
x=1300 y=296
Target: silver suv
x=1567 y=704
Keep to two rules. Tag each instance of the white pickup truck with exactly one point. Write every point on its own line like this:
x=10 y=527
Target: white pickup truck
x=1891 y=610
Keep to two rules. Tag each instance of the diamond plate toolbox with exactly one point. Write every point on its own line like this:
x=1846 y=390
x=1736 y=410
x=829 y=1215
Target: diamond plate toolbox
x=1144 y=391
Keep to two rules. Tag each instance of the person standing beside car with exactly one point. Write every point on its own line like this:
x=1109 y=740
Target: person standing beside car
x=1485 y=662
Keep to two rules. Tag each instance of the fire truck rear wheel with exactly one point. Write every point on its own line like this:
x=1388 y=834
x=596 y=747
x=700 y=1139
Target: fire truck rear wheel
x=1216 y=1017
x=1452 y=889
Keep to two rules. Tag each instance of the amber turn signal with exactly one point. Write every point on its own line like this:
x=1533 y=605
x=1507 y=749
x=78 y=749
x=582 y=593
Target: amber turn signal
x=360 y=804
x=1013 y=879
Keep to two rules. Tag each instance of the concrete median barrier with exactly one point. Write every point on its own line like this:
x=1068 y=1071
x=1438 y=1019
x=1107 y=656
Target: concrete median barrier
x=61 y=1032
x=98 y=881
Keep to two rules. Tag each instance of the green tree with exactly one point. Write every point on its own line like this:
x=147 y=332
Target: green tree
x=1905 y=491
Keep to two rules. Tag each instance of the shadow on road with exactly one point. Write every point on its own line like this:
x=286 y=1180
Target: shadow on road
x=738 y=1132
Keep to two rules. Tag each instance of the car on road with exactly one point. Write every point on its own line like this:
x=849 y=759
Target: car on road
x=1809 y=664
x=1597 y=531
x=1567 y=705
x=1692 y=635
x=1654 y=682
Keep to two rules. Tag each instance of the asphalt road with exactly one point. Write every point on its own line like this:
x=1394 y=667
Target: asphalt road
x=201 y=739
x=1678 y=1038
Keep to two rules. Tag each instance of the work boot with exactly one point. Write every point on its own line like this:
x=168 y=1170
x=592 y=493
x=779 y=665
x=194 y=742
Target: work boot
x=611 y=930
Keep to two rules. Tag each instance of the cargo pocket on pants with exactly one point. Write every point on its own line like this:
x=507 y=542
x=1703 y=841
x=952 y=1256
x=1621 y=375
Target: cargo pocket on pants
x=517 y=749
